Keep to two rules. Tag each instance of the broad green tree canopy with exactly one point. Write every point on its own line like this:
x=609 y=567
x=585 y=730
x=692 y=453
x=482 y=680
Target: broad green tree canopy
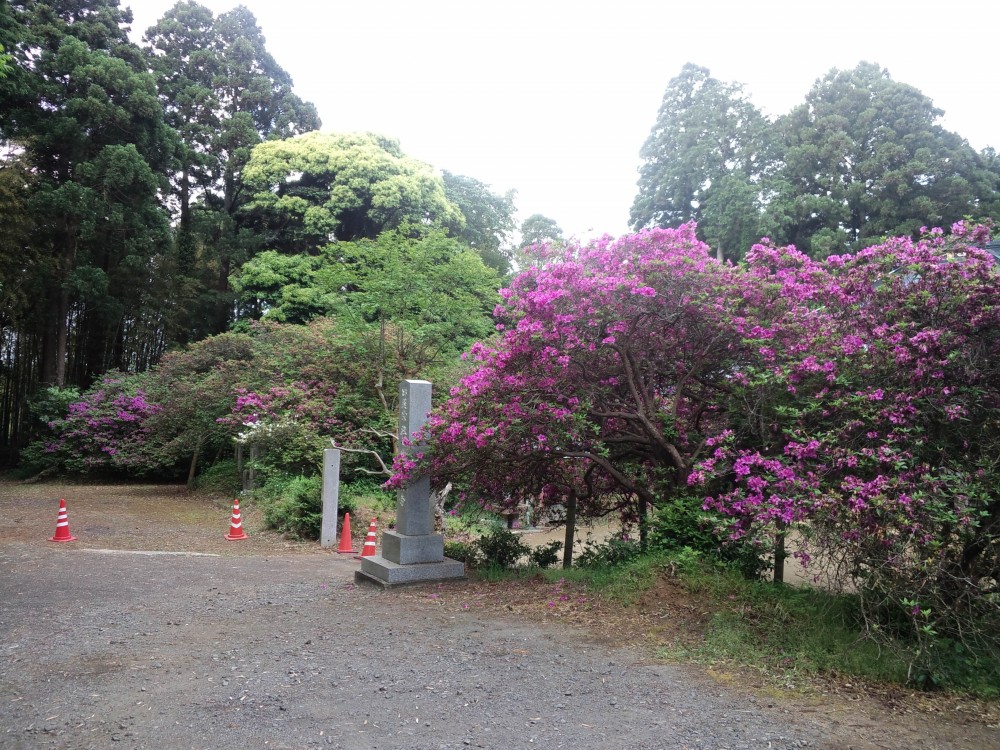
x=85 y=123
x=224 y=93
x=489 y=218
x=540 y=228
x=431 y=285
x=320 y=187
x=865 y=157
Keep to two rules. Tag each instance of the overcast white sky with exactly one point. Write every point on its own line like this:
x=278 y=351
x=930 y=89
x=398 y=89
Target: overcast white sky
x=554 y=98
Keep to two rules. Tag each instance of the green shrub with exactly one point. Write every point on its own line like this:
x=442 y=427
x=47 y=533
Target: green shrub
x=546 y=554
x=611 y=553
x=365 y=492
x=683 y=524
x=466 y=552
x=347 y=502
x=469 y=518
x=221 y=478
x=292 y=505
x=502 y=548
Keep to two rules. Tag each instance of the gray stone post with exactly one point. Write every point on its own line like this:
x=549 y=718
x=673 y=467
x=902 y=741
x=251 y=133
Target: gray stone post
x=331 y=497
x=411 y=553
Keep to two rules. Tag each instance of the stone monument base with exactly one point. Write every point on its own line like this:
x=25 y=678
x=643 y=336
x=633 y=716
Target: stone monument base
x=406 y=549
x=378 y=571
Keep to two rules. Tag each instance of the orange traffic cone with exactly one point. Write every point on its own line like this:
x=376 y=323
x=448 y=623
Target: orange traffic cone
x=369 y=549
x=236 y=531
x=345 y=537
x=62 y=526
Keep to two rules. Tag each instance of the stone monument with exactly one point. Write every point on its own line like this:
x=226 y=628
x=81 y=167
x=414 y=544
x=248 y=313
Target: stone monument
x=330 y=497
x=412 y=553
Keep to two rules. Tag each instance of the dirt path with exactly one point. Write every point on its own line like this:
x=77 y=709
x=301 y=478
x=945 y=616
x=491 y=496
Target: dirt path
x=110 y=643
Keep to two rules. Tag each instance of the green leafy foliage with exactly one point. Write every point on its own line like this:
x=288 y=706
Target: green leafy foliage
x=703 y=161
x=609 y=553
x=546 y=555
x=223 y=93
x=682 y=523
x=91 y=134
x=489 y=219
x=432 y=288
x=221 y=478
x=320 y=187
x=538 y=229
x=292 y=505
x=104 y=432
x=365 y=492
x=864 y=157
x=502 y=548
x=5 y=61
x=466 y=552
x=286 y=389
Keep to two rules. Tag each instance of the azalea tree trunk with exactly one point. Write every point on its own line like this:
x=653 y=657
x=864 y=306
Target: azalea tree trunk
x=779 y=555
x=643 y=523
x=193 y=469
x=570 y=530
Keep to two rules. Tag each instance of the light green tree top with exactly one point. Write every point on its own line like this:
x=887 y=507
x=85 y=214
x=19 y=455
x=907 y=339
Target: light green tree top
x=432 y=285
x=321 y=187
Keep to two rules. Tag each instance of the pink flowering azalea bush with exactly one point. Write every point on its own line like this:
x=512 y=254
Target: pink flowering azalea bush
x=853 y=401
x=291 y=423
x=603 y=383
x=286 y=388
x=875 y=432
x=104 y=431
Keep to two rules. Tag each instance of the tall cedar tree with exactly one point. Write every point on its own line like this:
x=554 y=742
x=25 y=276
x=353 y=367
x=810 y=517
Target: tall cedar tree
x=81 y=117
x=865 y=157
x=703 y=161
x=224 y=93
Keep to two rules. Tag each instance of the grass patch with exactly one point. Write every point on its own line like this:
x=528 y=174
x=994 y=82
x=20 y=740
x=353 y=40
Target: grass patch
x=367 y=494
x=221 y=478
x=789 y=635
x=622 y=584
x=787 y=632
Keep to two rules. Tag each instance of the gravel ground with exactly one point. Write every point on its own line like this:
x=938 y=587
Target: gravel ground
x=171 y=651
x=219 y=644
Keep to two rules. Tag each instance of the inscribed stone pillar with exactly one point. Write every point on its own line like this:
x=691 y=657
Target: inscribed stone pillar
x=414 y=514
x=411 y=553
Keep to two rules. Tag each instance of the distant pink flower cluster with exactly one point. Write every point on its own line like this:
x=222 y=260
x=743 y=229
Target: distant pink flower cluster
x=106 y=429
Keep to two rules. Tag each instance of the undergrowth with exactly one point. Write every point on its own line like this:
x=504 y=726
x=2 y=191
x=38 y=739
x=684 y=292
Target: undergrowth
x=791 y=632
x=788 y=634
x=785 y=632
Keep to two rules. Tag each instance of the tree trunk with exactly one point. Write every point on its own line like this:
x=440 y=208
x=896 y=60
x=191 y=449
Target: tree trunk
x=570 y=530
x=192 y=470
x=643 y=523
x=779 y=555
x=54 y=339
x=185 y=199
